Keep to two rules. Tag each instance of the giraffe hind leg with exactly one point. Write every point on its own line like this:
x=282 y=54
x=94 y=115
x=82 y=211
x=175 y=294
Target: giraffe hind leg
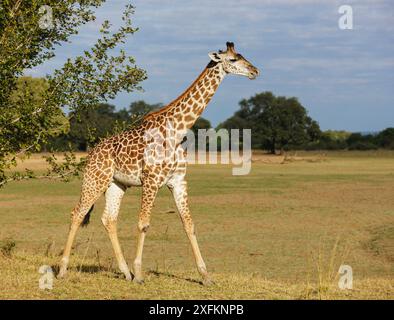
x=91 y=191
x=77 y=217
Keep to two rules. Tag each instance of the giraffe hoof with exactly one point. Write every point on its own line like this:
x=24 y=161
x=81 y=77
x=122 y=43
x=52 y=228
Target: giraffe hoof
x=61 y=274
x=207 y=282
x=138 y=281
x=128 y=277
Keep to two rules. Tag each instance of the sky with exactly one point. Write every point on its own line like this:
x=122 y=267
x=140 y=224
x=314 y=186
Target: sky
x=344 y=78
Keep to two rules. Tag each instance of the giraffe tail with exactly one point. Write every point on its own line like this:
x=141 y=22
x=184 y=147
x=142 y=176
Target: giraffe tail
x=86 y=218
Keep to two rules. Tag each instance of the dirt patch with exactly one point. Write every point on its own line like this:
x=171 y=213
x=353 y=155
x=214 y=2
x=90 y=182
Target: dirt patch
x=287 y=158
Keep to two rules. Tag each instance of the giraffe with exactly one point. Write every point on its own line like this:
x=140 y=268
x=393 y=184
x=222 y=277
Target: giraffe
x=118 y=163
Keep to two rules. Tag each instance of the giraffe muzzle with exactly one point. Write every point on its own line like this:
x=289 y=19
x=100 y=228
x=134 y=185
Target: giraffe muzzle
x=253 y=73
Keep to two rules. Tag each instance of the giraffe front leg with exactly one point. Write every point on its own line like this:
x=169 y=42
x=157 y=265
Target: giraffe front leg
x=149 y=191
x=179 y=191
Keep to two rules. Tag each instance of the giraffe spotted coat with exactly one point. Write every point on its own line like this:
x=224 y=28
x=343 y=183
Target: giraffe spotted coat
x=119 y=162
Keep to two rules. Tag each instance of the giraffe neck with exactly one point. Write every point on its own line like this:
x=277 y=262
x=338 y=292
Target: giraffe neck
x=186 y=109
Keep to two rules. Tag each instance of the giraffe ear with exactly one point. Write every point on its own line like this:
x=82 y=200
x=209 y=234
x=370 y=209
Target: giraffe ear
x=214 y=56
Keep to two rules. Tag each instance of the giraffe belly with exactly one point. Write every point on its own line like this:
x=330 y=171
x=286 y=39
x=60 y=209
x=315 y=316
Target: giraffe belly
x=127 y=180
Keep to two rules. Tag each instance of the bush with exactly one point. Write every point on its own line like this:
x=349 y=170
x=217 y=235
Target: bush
x=363 y=146
x=6 y=247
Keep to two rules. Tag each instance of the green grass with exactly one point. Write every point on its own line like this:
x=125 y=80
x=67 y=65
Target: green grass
x=267 y=235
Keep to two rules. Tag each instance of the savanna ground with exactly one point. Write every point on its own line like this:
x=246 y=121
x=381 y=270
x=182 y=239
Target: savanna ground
x=280 y=232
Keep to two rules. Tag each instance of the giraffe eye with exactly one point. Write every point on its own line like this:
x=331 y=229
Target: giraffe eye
x=233 y=60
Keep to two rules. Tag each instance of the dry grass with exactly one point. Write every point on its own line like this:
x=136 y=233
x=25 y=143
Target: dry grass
x=88 y=280
x=280 y=232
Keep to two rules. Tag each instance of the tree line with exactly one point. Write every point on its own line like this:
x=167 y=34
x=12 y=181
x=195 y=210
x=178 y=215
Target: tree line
x=278 y=124
x=281 y=123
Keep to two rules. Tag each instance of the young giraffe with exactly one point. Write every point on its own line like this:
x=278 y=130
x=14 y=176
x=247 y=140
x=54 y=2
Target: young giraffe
x=118 y=162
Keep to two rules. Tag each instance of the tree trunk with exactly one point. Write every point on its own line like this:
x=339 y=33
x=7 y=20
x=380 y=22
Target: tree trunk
x=273 y=151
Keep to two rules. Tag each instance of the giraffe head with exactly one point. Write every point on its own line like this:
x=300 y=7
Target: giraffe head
x=233 y=62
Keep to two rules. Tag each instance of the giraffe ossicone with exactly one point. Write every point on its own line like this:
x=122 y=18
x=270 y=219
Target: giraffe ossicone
x=120 y=162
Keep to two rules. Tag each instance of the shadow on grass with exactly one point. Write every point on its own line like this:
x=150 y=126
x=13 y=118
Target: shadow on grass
x=173 y=276
x=85 y=269
x=109 y=272
x=92 y=269
x=55 y=269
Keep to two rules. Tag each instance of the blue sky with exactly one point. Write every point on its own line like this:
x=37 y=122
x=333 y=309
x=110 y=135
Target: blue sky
x=345 y=78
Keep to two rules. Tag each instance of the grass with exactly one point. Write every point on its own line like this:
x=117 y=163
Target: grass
x=280 y=232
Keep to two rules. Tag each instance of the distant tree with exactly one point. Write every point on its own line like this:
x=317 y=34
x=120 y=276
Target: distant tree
x=89 y=126
x=341 y=135
x=358 y=141
x=385 y=138
x=235 y=122
x=201 y=123
x=139 y=108
x=276 y=122
x=86 y=128
x=122 y=116
x=354 y=138
x=330 y=140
